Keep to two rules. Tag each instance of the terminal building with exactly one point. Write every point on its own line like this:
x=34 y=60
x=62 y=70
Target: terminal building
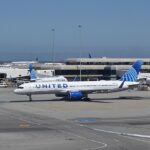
x=86 y=68
x=97 y=68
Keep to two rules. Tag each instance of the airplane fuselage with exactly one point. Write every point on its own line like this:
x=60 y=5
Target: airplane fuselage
x=63 y=87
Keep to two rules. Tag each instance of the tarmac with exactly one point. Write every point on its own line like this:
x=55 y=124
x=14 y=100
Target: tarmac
x=114 y=121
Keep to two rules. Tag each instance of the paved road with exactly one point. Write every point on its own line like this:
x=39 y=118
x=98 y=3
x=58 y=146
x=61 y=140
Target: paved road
x=59 y=125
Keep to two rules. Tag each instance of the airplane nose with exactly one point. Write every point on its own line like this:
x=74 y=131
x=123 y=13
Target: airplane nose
x=16 y=91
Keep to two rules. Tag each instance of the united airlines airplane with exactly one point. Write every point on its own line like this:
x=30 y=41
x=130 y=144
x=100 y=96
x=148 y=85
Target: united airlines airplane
x=80 y=90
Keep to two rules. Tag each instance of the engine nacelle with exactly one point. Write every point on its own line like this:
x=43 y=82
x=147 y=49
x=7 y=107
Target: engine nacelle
x=75 y=95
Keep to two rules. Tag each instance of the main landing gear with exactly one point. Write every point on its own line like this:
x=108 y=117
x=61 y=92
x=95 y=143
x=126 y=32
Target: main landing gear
x=85 y=98
x=30 y=97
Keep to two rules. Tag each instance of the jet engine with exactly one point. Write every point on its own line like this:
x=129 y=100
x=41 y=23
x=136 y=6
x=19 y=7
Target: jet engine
x=77 y=95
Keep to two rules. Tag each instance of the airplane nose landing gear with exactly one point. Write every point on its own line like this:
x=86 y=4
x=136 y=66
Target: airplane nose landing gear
x=30 y=97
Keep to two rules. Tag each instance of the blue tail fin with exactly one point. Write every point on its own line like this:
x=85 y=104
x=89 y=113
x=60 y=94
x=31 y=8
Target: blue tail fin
x=132 y=73
x=33 y=75
x=30 y=68
x=32 y=72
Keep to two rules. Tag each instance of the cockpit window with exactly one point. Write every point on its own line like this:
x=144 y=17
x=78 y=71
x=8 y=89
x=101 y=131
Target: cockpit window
x=20 y=87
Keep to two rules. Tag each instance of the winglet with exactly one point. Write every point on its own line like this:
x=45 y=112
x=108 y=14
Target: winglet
x=76 y=78
x=132 y=73
x=121 y=85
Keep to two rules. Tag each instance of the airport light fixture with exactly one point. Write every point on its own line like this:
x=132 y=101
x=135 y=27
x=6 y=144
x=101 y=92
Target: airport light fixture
x=53 y=44
x=80 y=39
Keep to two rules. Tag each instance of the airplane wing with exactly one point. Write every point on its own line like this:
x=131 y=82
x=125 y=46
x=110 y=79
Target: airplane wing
x=133 y=86
x=87 y=91
x=93 y=90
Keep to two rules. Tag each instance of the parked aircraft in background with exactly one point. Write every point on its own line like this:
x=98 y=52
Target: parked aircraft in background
x=145 y=77
x=80 y=90
x=35 y=77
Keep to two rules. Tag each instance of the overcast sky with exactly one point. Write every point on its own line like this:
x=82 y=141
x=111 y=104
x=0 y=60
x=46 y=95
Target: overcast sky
x=111 y=28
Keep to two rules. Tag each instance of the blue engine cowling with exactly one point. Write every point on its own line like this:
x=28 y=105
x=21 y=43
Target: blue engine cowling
x=75 y=95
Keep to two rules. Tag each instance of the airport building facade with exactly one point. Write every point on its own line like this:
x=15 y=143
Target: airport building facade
x=89 y=68
x=98 y=68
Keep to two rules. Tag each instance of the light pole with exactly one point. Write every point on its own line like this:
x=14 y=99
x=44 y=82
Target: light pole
x=80 y=39
x=53 y=40
x=53 y=43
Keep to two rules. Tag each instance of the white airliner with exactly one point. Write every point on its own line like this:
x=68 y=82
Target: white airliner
x=34 y=77
x=145 y=77
x=80 y=90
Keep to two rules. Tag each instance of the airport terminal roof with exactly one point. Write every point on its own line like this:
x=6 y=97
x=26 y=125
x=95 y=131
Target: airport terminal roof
x=105 y=59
